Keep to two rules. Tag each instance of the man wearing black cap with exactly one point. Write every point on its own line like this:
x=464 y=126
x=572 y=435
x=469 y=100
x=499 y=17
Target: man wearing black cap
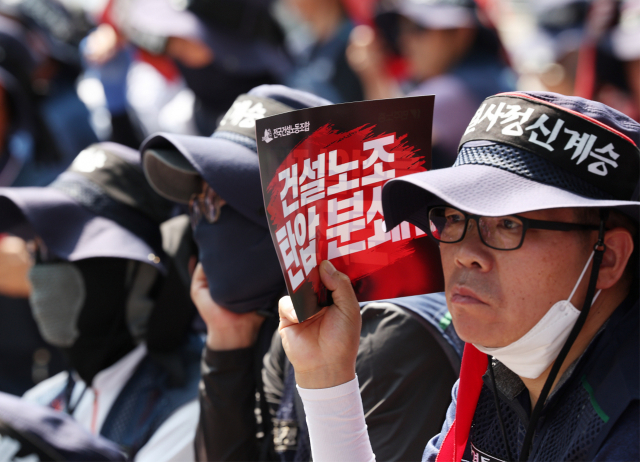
x=537 y=223
x=105 y=292
x=237 y=287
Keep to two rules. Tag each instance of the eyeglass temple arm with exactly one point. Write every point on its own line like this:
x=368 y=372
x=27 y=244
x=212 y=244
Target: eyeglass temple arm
x=558 y=226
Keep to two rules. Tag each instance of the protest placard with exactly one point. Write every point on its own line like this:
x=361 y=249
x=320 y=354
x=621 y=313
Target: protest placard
x=322 y=172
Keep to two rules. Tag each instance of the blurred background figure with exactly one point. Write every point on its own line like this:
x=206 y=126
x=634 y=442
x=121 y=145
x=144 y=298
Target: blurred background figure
x=449 y=50
x=110 y=291
x=626 y=47
x=587 y=48
x=177 y=66
x=43 y=125
x=553 y=48
x=318 y=35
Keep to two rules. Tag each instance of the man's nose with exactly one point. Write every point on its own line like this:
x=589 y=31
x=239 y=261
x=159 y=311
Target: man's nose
x=471 y=251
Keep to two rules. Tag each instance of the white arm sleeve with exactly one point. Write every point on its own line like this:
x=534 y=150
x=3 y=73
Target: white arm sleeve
x=337 y=429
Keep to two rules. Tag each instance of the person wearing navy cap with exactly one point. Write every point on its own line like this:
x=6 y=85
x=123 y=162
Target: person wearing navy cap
x=236 y=288
x=105 y=292
x=538 y=229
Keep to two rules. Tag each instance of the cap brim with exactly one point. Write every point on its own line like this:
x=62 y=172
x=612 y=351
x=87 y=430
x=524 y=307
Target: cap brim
x=481 y=190
x=70 y=231
x=232 y=170
x=436 y=16
x=170 y=174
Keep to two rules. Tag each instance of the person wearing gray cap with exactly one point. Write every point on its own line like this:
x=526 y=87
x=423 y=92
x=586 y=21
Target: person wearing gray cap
x=236 y=288
x=107 y=294
x=538 y=229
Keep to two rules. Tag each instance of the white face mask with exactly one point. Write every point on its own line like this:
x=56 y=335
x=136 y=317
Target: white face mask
x=532 y=354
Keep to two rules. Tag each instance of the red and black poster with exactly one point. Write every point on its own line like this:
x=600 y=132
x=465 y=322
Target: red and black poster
x=322 y=173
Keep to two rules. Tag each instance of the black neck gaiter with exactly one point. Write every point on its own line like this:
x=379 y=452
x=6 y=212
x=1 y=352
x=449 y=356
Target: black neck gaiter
x=104 y=337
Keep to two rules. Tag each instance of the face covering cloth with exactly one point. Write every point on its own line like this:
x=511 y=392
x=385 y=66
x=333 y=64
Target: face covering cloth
x=534 y=352
x=81 y=308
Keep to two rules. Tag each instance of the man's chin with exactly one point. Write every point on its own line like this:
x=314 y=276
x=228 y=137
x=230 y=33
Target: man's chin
x=472 y=327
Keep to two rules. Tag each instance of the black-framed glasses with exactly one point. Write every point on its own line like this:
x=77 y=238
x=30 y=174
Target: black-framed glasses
x=449 y=225
x=205 y=204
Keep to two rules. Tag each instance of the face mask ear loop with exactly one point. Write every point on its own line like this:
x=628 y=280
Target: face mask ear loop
x=584 y=270
x=598 y=251
x=498 y=410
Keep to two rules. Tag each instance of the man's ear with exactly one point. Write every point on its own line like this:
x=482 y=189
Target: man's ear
x=619 y=244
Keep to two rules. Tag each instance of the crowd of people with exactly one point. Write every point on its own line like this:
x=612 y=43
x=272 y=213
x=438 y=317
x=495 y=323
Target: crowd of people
x=143 y=310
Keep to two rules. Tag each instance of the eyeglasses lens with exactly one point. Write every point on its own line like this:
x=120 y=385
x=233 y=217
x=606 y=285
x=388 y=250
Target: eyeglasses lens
x=448 y=225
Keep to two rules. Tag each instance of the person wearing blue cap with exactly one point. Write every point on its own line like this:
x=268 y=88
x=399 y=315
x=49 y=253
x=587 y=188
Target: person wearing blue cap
x=236 y=288
x=105 y=292
x=538 y=229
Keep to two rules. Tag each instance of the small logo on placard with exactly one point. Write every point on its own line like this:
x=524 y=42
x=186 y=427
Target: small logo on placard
x=289 y=130
x=267 y=138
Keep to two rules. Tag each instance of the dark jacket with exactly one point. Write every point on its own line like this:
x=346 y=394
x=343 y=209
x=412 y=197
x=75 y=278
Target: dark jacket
x=398 y=352
x=592 y=415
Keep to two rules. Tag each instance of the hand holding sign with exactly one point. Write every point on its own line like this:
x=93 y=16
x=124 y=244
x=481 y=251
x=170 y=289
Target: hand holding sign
x=323 y=350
